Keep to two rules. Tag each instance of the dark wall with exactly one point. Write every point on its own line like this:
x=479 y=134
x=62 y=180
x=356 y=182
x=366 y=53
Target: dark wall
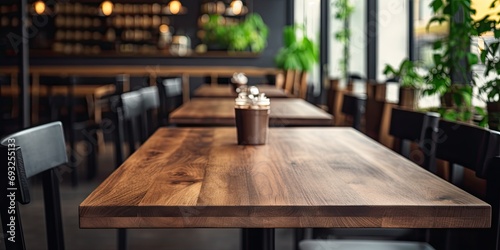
x=274 y=13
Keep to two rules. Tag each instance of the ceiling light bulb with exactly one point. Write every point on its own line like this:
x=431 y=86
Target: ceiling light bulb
x=175 y=7
x=107 y=8
x=237 y=6
x=39 y=7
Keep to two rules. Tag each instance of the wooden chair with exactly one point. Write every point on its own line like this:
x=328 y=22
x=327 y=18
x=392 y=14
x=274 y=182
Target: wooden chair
x=334 y=101
x=411 y=126
x=170 y=92
x=353 y=106
x=295 y=83
x=34 y=151
x=377 y=112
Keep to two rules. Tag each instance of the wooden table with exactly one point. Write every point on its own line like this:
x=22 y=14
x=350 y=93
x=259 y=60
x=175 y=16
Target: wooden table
x=225 y=91
x=153 y=71
x=220 y=111
x=303 y=177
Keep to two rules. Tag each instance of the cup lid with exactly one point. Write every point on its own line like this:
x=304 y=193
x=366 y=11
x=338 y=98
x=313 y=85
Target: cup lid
x=252 y=97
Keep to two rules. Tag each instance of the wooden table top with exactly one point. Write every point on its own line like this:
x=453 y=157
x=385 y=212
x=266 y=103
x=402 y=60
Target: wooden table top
x=221 y=91
x=220 y=111
x=303 y=177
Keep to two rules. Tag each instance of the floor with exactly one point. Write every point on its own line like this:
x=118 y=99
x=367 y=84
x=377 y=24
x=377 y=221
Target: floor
x=85 y=239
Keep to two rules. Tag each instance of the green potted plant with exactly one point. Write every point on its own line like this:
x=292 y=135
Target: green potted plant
x=215 y=33
x=491 y=89
x=410 y=80
x=251 y=34
x=248 y=35
x=297 y=57
x=451 y=77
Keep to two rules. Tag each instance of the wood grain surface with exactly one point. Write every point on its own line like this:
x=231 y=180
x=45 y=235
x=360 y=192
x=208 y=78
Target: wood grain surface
x=222 y=91
x=303 y=177
x=220 y=111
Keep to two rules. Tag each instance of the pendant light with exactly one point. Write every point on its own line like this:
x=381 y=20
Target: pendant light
x=39 y=7
x=106 y=8
x=175 y=7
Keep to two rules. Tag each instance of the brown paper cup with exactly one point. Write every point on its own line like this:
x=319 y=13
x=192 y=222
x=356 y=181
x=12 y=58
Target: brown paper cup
x=252 y=126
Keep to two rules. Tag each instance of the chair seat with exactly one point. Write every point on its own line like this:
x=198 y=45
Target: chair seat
x=362 y=245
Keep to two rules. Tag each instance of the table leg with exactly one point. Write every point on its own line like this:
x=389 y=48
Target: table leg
x=185 y=88
x=122 y=239
x=257 y=238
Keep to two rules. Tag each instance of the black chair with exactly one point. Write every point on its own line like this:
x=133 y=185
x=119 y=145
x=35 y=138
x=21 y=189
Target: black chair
x=127 y=109
x=170 y=90
x=79 y=123
x=475 y=148
x=411 y=126
x=151 y=102
x=407 y=125
x=353 y=105
x=33 y=151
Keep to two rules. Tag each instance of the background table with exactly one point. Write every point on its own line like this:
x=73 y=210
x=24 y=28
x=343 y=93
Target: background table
x=152 y=71
x=220 y=111
x=222 y=91
x=303 y=177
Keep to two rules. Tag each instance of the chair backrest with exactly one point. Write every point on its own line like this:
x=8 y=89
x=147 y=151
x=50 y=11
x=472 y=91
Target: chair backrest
x=131 y=104
x=376 y=91
x=334 y=101
x=170 y=92
x=37 y=150
x=353 y=105
x=465 y=145
x=151 y=101
x=412 y=126
x=477 y=149
x=127 y=108
x=374 y=114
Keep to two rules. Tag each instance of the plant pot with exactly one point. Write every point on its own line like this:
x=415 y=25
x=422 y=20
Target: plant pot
x=493 y=115
x=447 y=100
x=408 y=97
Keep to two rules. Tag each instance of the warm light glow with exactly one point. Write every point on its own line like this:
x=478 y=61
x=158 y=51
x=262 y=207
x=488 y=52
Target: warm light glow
x=175 y=7
x=236 y=6
x=39 y=7
x=107 y=8
x=163 y=28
